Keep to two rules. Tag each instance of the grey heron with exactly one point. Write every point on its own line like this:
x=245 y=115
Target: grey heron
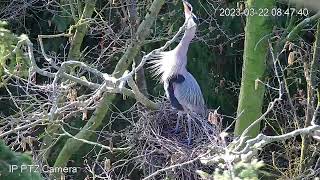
x=181 y=88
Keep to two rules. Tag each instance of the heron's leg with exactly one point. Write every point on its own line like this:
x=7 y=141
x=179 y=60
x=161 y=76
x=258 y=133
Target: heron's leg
x=189 y=129
x=177 y=128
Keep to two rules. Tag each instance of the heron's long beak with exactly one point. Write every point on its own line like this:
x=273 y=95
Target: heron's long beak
x=187 y=9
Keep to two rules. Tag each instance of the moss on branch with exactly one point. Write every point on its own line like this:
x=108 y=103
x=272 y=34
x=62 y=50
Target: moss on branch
x=73 y=145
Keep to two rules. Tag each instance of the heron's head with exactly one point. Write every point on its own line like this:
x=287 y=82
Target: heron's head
x=189 y=16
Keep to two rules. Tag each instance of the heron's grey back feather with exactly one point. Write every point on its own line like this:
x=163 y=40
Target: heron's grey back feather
x=189 y=95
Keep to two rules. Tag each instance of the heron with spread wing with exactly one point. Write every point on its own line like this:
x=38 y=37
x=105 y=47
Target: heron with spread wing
x=180 y=86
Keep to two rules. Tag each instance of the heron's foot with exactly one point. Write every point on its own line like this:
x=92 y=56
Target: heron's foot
x=187 y=142
x=175 y=130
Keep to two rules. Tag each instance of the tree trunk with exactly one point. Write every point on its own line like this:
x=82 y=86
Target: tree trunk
x=73 y=145
x=74 y=54
x=312 y=84
x=255 y=51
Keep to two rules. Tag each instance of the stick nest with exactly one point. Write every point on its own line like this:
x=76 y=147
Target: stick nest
x=156 y=147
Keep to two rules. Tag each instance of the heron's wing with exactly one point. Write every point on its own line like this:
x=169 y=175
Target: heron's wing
x=189 y=94
x=178 y=78
x=169 y=88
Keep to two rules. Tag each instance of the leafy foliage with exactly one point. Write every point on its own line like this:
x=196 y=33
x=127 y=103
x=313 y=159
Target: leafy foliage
x=9 y=158
x=14 y=62
x=240 y=171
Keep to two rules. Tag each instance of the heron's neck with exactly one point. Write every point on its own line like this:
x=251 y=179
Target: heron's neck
x=183 y=46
